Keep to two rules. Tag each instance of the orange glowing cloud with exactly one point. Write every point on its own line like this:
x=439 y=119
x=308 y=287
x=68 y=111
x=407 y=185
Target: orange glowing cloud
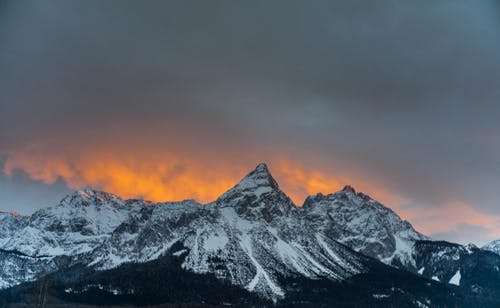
x=160 y=177
x=166 y=176
x=447 y=217
x=130 y=177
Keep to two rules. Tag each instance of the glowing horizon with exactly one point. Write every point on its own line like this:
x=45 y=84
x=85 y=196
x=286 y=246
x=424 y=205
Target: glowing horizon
x=179 y=179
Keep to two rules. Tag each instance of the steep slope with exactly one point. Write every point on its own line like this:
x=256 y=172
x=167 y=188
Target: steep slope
x=493 y=246
x=164 y=281
x=365 y=225
x=49 y=238
x=76 y=225
x=9 y=225
x=473 y=270
x=251 y=236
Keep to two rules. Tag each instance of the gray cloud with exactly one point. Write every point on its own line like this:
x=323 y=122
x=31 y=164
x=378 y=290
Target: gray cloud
x=18 y=193
x=466 y=233
x=405 y=94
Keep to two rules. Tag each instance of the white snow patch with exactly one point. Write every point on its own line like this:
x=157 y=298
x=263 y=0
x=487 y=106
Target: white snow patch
x=262 y=190
x=332 y=254
x=288 y=253
x=261 y=273
x=404 y=247
x=456 y=278
x=215 y=242
x=317 y=267
x=420 y=304
x=236 y=221
x=162 y=250
x=322 y=242
x=421 y=271
x=435 y=278
x=179 y=252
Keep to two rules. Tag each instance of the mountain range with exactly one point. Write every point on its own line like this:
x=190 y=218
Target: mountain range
x=251 y=247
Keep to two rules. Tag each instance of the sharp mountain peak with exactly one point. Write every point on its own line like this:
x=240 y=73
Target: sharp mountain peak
x=257 y=182
x=89 y=195
x=349 y=188
x=261 y=176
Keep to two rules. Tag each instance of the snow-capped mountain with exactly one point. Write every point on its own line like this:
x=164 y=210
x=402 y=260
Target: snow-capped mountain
x=365 y=225
x=493 y=246
x=253 y=237
x=51 y=237
x=80 y=222
x=472 y=269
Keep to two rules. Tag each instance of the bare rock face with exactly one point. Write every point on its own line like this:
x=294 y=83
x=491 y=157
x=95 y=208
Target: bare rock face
x=258 y=196
x=365 y=225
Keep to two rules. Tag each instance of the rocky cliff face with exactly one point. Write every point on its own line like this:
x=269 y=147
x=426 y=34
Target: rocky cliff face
x=365 y=225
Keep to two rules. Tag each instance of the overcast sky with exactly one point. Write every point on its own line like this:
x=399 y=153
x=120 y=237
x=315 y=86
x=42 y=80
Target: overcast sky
x=399 y=98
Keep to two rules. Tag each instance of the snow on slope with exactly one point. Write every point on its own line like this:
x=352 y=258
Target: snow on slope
x=248 y=236
x=252 y=235
x=456 y=278
x=53 y=236
x=76 y=225
x=493 y=246
x=10 y=225
x=365 y=225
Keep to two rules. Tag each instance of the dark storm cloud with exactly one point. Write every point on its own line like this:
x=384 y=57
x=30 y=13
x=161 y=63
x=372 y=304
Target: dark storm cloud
x=405 y=93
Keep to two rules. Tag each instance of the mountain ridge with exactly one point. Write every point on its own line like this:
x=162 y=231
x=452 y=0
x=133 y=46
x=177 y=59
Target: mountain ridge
x=253 y=237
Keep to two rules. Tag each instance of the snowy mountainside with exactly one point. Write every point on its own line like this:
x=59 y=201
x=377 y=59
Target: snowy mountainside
x=248 y=236
x=9 y=225
x=252 y=237
x=59 y=235
x=365 y=225
x=472 y=269
x=77 y=224
x=493 y=246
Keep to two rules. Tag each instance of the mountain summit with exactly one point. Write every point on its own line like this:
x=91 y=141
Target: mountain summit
x=255 y=184
x=349 y=188
x=258 y=196
x=89 y=196
x=252 y=240
x=365 y=225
